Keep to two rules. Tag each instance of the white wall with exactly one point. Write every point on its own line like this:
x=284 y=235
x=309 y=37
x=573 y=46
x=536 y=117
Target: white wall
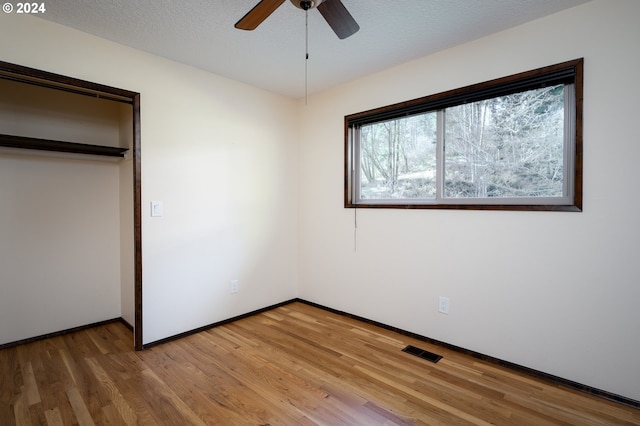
x=59 y=244
x=553 y=291
x=220 y=155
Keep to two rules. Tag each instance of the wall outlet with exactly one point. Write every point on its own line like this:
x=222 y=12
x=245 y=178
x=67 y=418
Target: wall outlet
x=443 y=305
x=234 y=286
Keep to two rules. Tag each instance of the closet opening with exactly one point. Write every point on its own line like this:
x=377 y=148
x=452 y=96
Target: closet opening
x=70 y=182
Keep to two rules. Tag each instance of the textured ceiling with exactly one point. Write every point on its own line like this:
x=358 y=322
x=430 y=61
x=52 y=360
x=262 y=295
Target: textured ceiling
x=201 y=33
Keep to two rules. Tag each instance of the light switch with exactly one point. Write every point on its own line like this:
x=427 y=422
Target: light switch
x=156 y=209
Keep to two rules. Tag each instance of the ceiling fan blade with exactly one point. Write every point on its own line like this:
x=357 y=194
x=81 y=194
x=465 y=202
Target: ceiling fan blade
x=259 y=13
x=338 y=18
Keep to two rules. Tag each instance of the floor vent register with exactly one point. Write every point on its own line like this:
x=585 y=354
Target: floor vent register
x=421 y=353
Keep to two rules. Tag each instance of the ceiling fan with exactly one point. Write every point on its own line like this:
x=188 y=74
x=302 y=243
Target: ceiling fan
x=333 y=11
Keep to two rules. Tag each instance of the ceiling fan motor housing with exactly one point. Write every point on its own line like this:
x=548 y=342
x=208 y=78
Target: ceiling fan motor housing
x=334 y=12
x=306 y=4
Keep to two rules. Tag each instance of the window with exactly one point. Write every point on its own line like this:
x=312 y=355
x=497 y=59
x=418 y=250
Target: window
x=514 y=143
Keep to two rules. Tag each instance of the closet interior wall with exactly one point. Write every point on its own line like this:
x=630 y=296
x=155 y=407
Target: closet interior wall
x=66 y=219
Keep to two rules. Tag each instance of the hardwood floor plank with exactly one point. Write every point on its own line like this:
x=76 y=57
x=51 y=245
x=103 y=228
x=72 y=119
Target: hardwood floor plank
x=55 y=400
x=112 y=414
x=21 y=412
x=10 y=385
x=270 y=360
x=31 y=393
x=166 y=394
x=125 y=413
x=145 y=413
x=53 y=417
x=226 y=386
x=248 y=377
x=79 y=408
x=68 y=364
x=194 y=386
x=293 y=365
x=411 y=393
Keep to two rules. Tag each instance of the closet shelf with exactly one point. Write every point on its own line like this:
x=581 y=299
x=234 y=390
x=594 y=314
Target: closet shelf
x=60 y=146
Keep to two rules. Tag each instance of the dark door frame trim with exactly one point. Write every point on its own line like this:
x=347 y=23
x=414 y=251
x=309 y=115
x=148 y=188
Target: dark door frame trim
x=33 y=76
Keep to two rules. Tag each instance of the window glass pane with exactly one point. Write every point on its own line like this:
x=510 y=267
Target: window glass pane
x=509 y=146
x=398 y=158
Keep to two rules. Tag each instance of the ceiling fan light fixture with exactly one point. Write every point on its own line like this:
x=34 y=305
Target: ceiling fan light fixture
x=306 y=4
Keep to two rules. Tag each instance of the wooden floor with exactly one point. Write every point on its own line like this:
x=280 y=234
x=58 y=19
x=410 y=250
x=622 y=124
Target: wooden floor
x=294 y=365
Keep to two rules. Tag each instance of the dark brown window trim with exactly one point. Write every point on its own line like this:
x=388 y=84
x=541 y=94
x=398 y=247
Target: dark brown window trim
x=570 y=71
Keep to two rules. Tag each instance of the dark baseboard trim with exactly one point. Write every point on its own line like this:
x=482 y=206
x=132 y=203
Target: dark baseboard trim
x=516 y=367
x=61 y=333
x=126 y=324
x=215 y=324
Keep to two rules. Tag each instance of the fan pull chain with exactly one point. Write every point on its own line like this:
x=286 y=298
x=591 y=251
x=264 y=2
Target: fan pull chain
x=306 y=59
